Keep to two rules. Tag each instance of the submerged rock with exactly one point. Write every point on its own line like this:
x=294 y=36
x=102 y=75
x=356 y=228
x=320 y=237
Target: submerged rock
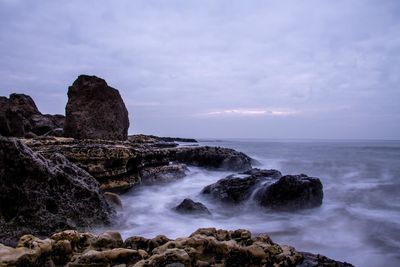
x=204 y=247
x=20 y=117
x=188 y=206
x=40 y=196
x=236 y=188
x=291 y=192
x=95 y=111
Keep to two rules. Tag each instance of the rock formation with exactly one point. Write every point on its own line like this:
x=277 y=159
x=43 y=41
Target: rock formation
x=270 y=189
x=205 y=247
x=20 y=117
x=40 y=196
x=95 y=111
x=291 y=192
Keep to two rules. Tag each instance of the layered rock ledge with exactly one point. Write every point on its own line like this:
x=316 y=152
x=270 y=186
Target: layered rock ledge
x=205 y=247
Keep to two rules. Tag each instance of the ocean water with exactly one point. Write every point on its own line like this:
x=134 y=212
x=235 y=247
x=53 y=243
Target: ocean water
x=358 y=222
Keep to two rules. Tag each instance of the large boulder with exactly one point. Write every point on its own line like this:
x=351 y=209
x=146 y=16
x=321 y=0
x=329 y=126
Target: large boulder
x=291 y=192
x=95 y=111
x=20 y=117
x=39 y=195
x=236 y=188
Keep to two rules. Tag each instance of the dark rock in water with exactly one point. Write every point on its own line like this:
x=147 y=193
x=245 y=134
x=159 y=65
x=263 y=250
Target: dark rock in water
x=162 y=174
x=188 y=206
x=214 y=157
x=95 y=111
x=20 y=117
x=113 y=199
x=291 y=192
x=40 y=196
x=236 y=188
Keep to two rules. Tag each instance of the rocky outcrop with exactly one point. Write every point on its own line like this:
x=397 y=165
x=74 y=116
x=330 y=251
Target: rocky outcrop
x=40 y=196
x=120 y=165
x=214 y=157
x=95 y=111
x=188 y=206
x=236 y=188
x=269 y=188
x=291 y=192
x=20 y=117
x=205 y=247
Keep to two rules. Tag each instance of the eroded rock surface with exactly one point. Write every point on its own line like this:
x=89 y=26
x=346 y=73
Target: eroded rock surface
x=95 y=111
x=205 y=247
x=20 y=117
x=40 y=196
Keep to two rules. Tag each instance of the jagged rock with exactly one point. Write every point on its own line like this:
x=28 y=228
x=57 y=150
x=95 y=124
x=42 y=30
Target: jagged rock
x=204 y=247
x=236 y=188
x=20 y=117
x=214 y=157
x=40 y=196
x=95 y=111
x=188 y=206
x=291 y=192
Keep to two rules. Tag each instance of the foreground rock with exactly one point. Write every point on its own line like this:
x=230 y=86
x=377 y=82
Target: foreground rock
x=120 y=165
x=20 y=117
x=269 y=188
x=95 y=111
x=40 y=196
x=188 y=206
x=205 y=247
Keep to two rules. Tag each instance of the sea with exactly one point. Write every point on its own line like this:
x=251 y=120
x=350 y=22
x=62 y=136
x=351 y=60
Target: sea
x=358 y=222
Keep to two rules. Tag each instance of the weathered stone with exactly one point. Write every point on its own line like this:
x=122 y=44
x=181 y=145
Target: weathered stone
x=291 y=192
x=162 y=174
x=40 y=196
x=188 y=206
x=236 y=188
x=20 y=117
x=95 y=111
x=114 y=200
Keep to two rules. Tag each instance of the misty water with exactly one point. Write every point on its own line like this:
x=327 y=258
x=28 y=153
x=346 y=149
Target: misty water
x=358 y=222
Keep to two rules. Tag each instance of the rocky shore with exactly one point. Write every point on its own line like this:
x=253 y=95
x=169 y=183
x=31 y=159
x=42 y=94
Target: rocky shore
x=60 y=175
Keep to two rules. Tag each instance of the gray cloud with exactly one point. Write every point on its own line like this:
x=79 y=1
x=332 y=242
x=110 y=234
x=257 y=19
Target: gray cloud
x=336 y=63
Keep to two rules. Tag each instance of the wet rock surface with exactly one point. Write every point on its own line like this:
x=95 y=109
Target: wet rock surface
x=269 y=188
x=291 y=192
x=236 y=188
x=20 y=117
x=40 y=196
x=188 y=206
x=205 y=247
x=95 y=111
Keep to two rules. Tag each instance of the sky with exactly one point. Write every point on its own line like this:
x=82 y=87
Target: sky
x=215 y=69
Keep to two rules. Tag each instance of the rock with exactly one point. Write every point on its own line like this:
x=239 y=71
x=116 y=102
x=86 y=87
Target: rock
x=291 y=192
x=120 y=165
x=113 y=199
x=204 y=247
x=236 y=188
x=214 y=157
x=188 y=206
x=162 y=174
x=95 y=111
x=40 y=196
x=20 y=117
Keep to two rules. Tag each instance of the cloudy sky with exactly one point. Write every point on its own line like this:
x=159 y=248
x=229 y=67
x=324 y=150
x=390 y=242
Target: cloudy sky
x=226 y=68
